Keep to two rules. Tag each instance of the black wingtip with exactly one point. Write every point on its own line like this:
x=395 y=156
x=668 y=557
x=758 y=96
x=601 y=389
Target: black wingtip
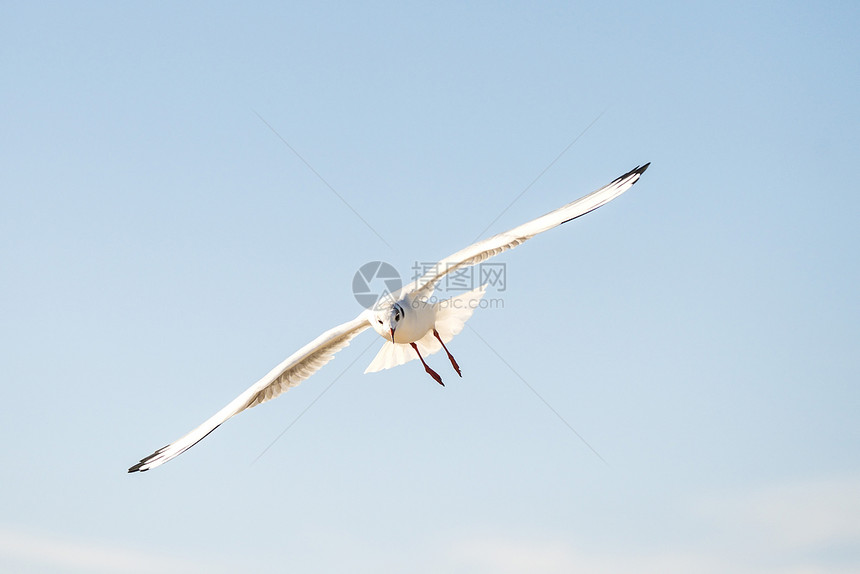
x=139 y=466
x=638 y=170
x=146 y=460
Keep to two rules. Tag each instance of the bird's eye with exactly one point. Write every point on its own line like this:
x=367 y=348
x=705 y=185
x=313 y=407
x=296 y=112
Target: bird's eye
x=379 y=321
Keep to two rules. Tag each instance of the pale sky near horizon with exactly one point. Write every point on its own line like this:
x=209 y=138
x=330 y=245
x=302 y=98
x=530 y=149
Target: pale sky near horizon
x=162 y=247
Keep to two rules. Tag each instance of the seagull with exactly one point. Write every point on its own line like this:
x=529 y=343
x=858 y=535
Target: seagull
x=412 y=325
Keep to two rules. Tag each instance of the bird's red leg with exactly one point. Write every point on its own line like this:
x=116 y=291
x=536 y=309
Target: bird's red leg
x=450 y=356
x=430 y=371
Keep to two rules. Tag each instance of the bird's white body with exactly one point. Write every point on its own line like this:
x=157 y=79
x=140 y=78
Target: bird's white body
x=412 y=325
x=420 y=319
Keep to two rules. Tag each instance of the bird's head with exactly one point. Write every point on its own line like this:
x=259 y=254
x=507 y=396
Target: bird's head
x=386 y=320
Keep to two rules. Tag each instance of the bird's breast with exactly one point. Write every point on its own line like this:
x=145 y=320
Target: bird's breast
x=417 y=321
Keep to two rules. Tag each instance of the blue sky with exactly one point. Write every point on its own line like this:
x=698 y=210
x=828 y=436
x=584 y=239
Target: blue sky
x=162 y=248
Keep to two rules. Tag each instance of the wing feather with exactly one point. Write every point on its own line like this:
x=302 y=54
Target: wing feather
x=490 y=247
x=296 y=368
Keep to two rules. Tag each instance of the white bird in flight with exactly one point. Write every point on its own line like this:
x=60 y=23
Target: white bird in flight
x=412 y=325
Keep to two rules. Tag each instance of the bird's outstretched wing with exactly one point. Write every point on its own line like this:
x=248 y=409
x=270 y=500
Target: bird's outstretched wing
x=483 y=250
x=298 y=367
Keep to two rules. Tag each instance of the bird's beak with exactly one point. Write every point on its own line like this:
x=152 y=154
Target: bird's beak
x=392 y=335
